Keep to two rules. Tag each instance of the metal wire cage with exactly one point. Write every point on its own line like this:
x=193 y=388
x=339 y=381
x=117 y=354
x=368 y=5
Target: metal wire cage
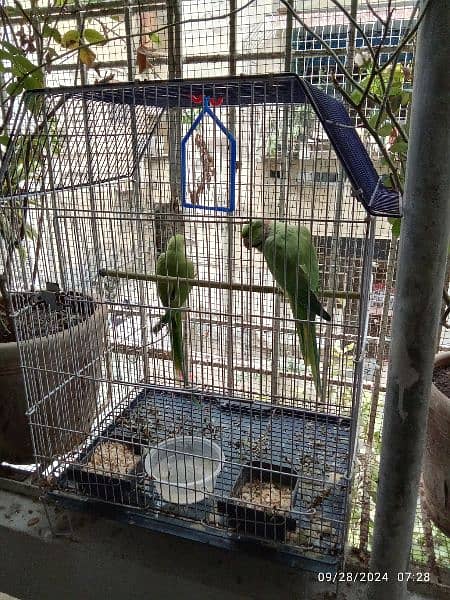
x=245 y=448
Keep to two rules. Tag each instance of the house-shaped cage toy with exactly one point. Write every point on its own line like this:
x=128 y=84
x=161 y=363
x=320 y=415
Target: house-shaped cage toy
x=244 y=446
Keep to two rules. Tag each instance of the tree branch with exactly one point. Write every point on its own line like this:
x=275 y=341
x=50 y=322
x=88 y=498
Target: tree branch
x=327 y=47
x=355 y=24
x=373 y=132
x=134 y=35
x=407 y=37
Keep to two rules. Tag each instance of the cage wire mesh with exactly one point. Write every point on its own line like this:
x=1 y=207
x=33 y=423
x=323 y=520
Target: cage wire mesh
x=232 y=338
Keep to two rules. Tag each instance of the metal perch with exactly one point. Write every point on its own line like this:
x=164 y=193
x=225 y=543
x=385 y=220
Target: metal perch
x=218 y=285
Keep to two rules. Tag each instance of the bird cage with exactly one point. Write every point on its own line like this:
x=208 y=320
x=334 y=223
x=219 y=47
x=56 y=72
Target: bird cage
x=223 y=229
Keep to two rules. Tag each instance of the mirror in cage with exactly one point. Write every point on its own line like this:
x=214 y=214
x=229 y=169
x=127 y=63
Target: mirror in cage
x=208 y=161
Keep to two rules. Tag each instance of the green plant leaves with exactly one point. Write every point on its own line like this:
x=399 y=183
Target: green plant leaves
x=28 y=75
x=395 y=227
x=51 y=32
x=87 y=57
x=356 y=96
x=71 y=39
x=13 y=89
x=399 y=147
x=389 y=93
x=92 y=36
x=20 y=65
x=10 y=48
x=385 y=129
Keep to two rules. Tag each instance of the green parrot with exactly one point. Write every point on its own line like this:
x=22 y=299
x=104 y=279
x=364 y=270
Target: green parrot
x=173 y=294
x=292 y=260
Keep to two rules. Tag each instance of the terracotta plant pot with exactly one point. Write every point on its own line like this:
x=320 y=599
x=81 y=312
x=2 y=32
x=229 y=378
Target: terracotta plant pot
x=63 y=404
x=436 y=464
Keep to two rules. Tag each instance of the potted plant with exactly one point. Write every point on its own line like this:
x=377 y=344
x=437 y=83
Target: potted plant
x=436 y=462
x=52 y=327
x=55 y=334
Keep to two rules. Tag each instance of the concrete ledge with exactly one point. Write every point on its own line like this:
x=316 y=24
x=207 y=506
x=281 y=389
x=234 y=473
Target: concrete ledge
x=73 y=555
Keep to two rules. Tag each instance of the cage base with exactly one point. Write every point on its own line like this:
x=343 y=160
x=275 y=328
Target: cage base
x=308 y=449
x=166 y=524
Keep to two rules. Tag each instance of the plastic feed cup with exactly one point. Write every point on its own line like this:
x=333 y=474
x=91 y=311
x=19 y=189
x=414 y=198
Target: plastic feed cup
x=184 y=469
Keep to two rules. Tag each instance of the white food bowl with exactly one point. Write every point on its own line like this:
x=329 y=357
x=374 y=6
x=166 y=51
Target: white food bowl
x=185 y=468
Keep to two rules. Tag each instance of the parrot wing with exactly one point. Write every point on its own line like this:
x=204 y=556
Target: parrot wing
x=292 y=259
x=173 y=294
x=164 y=288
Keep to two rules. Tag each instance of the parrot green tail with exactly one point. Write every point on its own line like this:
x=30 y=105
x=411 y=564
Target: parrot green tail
x=310 y=351
x=176 y=339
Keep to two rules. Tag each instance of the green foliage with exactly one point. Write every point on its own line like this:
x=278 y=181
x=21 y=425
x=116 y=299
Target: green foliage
x=82 y=41
x=395 y=227
x=24 y=66
x=383 y=100
x=87 y=57
x=71 y=39
x=24 y=74
x=38 y=42
x=189 y=115
x=92 y=36
x=51 y=32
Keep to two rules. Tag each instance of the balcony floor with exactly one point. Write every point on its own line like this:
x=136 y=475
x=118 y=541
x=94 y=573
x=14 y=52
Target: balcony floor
x=87 y=557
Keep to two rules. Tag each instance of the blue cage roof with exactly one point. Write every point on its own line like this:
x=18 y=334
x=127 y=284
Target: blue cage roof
x=265 y=89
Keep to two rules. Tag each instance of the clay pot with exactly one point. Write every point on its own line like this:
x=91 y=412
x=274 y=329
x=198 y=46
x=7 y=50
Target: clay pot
x=436 y=463
x=63 y=404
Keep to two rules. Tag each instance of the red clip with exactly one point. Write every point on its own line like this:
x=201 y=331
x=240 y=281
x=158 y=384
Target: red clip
x=216 y=101
x=212 y=101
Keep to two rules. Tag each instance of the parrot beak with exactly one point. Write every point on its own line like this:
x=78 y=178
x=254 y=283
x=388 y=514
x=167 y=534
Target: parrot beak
x=246 y=242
